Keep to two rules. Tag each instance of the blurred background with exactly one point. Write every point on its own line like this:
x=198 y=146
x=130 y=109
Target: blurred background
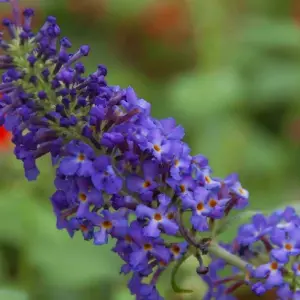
x=228 y=70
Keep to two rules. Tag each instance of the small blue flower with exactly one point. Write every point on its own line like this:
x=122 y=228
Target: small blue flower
x=87 y=196
x=271 y=273
x=183 y=187
x=159 y=146
x=250 y=233
x=146 y=183
x=201 y=171
x=141 y=290
x=63 y=182
x=232 y=181
x=108 y=223
x=79 y=160
x=160 y=218
x=288 y=243
x=85 y=227
x=132 y=101
x=31 y=170
x=148 y=292
x=145 y=248
x=180 y=163
x=170 y=130
x=286 y=219
x=60 y=202
x=204 y=204
x=178 y=250
x=258 y=288
x=104 y=177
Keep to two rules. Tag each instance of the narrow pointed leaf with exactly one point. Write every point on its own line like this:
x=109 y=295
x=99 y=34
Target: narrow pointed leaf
x=175 y=270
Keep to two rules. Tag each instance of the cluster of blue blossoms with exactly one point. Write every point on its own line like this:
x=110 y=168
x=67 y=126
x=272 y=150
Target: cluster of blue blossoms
x=271 y=245
x=122 y=174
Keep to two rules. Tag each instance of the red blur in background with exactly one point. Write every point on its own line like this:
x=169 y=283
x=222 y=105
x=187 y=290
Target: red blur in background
x=168 y=21
x=5 y=137
x=296 y=11
x=91 y=10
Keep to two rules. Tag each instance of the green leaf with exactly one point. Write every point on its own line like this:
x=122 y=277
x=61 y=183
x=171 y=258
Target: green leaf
x=175 y=270
x=201 y=95
x=234 y=145
x=16 y=213
x=219 y=138
x=12 y=295
x=2 y=267
x=275 y=81
x=265 y=153
x=269 y=34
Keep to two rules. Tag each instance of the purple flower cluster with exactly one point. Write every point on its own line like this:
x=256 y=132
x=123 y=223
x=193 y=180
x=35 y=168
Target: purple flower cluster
x=271 y=245
x=122 y=174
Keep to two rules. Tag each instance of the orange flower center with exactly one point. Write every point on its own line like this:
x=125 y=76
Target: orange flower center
x=241 y=191
x=200 y=206
x=288 y=247
x=274 y=265
x=156 y=148
x=81 y=157
x=176 y=163
x=175 y=249
x=128 y=238
x=107 y=224
x=163 y=263
x=170 y=216
x=157 y=217
x=182 y=188
x=83 y=228
x=82 y=197
x=213 y=203
x=207 y=179
x=146 y=184
x=147 y=247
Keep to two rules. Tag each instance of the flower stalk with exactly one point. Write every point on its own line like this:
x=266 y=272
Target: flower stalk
x=219 y=252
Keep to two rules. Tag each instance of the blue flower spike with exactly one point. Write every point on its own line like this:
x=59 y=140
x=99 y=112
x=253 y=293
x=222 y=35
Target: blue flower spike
x=123 y=175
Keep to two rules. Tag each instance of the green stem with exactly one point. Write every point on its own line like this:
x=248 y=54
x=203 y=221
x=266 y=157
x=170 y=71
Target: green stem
x=216 y=250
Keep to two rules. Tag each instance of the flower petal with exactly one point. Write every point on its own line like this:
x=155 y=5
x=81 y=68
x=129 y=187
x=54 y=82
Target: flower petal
x=144 y=211
x=68 y=166
x=151 y=229
x=86 y=168
x=101 y=237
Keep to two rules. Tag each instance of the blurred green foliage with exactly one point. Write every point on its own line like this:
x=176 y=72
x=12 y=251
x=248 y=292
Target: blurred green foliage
x=235 y=89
